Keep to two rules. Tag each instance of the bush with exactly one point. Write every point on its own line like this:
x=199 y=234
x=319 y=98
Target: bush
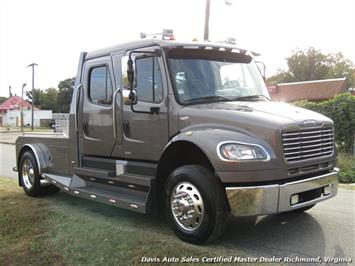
x=346 y=163
x=341 y=109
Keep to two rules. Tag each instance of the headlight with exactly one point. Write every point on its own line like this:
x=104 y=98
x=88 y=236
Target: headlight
x=234 y=151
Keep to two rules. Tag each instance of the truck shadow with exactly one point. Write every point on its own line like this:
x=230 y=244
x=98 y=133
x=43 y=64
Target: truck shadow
x=285 y=234
x=115 y=215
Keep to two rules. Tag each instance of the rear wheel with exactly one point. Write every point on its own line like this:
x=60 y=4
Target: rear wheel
x=195 y=204
x=30 y=178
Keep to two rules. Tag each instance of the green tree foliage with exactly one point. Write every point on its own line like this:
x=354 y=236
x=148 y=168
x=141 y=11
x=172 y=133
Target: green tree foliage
x=57 y=100
x=48 y=100
x=65 y=94
x=2 y=99
x=35 y=96
x=341 y=109
x=313 y=65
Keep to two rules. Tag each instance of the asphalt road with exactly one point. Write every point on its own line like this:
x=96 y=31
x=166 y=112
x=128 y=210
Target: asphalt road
x=327 y=230
x=7 y=160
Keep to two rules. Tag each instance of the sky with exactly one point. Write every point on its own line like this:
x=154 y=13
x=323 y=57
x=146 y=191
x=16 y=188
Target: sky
x=53 y=33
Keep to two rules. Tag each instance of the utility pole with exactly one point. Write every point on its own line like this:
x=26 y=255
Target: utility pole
x=207 y=20
x=10 y=93
x=33 y=86
x=23 y=86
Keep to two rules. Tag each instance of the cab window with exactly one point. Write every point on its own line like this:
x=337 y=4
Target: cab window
x=148 y=80
x=100 y=86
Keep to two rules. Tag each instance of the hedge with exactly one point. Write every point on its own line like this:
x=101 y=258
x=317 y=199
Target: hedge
x=346 y=163
x=341 y=109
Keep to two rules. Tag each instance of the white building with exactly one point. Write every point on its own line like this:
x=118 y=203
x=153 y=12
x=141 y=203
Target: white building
x=13 y=118
x=10 y=113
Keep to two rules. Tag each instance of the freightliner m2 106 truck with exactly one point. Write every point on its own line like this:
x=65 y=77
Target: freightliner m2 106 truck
x=184 y=129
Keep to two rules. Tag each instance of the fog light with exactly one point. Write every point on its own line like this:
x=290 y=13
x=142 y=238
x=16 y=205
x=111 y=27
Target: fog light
x=327 y=190
x=295 y=199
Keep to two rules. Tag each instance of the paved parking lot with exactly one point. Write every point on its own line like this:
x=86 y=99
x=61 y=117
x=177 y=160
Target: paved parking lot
x=7 y=160
x=9 y=137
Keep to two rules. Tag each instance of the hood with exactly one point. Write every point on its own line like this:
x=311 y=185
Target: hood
x=250 y=116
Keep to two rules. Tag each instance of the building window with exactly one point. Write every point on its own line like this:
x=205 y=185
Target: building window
x=100 y=87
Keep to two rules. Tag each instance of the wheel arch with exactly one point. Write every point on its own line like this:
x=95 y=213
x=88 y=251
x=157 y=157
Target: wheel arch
x=179 y=153
x=41 y=154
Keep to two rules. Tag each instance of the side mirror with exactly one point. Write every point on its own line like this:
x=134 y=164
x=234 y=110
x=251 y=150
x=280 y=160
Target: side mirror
x=129 y=97
x=127 y=71
x=130 y=72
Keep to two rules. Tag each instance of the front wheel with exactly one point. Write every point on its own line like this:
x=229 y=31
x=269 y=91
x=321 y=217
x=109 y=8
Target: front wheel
x=195 y=204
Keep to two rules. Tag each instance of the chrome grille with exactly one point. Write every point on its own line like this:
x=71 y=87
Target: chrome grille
x=307 y=143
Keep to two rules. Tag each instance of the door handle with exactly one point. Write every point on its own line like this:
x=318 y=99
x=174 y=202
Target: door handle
x=77 y=95
x=114 y=115
x=85 y=125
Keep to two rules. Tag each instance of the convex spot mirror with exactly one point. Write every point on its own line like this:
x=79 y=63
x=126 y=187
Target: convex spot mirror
x=128 y=77
x=129 y=97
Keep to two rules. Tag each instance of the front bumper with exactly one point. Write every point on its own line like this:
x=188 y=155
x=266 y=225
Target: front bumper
x=258 y=200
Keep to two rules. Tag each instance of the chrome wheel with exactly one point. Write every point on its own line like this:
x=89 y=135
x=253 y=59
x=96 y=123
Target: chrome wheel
x=28 y=174
x=187 y=206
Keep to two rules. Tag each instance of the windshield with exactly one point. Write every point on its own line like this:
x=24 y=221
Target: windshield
x=200 y=75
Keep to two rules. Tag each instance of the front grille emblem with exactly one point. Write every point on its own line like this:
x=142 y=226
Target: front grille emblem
x=309 y=122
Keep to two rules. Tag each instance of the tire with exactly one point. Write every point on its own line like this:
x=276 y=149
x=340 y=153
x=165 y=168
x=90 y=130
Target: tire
x=30 y=179
x=303 y=209
x=194 y=189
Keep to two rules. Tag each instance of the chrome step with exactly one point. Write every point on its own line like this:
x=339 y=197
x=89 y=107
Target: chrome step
x=124 y=197
x=59 y=181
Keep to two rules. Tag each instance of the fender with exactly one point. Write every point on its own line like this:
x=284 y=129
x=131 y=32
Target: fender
x=208 y=138
x=42 y=154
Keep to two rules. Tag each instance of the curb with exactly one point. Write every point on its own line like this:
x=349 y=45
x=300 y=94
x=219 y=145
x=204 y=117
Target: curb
x=7 y=142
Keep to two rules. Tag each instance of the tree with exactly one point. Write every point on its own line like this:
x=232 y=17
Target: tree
x=48 y=100
x=35 y=96
x=2 y=99
x=312 y=65
x=65 y=94
x=52 y=99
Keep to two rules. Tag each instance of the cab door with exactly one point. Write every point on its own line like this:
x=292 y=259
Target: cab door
x=96 y=118
x=145 y=135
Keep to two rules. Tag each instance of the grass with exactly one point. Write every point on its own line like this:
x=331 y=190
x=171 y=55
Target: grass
x=345 y=161
x=23 y=232
x=346 y=164
x=345 y=186
x=64 y=230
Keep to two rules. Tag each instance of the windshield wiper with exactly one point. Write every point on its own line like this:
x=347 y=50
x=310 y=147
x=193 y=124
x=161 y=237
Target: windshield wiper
x=207 y=98
x=250 y=97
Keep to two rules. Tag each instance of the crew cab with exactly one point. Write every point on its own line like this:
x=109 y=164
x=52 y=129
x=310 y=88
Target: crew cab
x=187 y=130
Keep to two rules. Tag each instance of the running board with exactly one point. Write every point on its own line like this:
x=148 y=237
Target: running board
x=124 y=197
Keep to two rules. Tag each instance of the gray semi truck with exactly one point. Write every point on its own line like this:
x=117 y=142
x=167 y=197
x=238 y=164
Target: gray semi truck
x=182 y=129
